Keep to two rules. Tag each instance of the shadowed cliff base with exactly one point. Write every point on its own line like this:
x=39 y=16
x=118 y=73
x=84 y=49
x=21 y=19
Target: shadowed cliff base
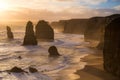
x=94 y=69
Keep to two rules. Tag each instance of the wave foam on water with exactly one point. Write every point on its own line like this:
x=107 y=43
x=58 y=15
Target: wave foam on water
x=72 y=48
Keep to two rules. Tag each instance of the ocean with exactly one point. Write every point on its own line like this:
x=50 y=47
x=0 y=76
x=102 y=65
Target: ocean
x=72 y=47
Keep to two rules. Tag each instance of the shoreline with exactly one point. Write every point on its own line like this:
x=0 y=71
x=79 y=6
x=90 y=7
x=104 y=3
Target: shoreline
x=94 y=69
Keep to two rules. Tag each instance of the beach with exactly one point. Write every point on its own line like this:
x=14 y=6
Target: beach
x=94 y=69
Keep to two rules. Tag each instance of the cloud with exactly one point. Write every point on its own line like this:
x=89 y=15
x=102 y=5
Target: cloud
x=25 y=14
x=90 y=2
x=117 y=7
x=93 y=2
x=52 y=10
x=116 y=0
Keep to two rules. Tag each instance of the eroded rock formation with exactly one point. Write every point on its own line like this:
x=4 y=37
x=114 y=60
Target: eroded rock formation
x=44 y=31
x=111 y=51
x=53 y=52
x=29 y=38
x=9 y=33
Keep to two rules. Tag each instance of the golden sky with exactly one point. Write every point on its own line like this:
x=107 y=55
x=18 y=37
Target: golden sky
x=52 y=10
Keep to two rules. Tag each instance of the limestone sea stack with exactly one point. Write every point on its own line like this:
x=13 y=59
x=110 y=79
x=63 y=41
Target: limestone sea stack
x=9 y=33
x=53 y=52
x=29 y=38
x=44 y=31
x=111 y=51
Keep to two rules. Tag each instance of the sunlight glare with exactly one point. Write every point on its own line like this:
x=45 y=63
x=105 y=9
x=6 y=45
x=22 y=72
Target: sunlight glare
x=3 y=5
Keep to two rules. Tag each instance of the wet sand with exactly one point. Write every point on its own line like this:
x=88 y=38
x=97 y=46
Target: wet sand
x=94 y=68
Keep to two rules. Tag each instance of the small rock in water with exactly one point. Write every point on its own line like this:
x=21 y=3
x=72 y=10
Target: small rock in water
x=16 y=70
x=32 y=70
x=19 y=57
x=53 y=52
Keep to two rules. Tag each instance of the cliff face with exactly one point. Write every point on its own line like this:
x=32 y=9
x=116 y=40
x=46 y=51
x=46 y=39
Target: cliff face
x=58 y=26
x=44 y=31
x=95 y=27
x=29 y=38
x=111 y=51
x=75 y=26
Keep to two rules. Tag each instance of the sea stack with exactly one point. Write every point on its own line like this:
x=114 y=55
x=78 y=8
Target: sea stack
x=53 y=52
x=111 y=51
x=44 y=32
x=9 y=33
x=29 y=38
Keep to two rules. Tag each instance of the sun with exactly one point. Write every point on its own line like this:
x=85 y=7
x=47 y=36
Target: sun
x=4 y=5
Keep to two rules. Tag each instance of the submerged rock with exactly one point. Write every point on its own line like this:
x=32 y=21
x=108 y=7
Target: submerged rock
x=53 y=52
x=111 y=51
x=9 y=33
x=16 y=70
x=29 y=38
x=44 y=31
x=32 y=70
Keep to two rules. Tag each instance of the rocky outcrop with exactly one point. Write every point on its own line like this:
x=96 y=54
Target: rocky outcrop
x=111 y=51
x=9 y=33
x=29 y=38
x=53 y=52
x=44 y=31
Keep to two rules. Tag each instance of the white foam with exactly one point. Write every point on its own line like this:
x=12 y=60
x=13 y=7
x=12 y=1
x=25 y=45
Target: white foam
x=37 y=56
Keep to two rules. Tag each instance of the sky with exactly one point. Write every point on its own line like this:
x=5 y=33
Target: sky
x=54 y=10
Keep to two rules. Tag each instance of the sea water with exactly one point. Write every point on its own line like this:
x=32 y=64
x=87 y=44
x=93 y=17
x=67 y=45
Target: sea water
x=72 y=47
